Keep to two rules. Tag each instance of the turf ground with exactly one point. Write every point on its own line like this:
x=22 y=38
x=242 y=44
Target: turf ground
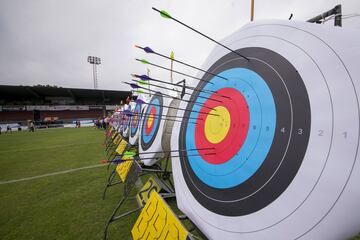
x=63 y=206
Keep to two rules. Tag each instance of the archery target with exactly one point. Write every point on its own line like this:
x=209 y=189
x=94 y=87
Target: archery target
x=150 y=149
x=121 y=117
x=169 y=123
x=126 y=122
x=135 y=124
x=281 y=141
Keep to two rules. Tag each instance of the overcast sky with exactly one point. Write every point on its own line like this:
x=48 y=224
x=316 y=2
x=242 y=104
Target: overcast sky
x=48 y=41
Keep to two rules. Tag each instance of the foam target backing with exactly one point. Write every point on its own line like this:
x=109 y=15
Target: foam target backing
x=277 y=153
x=126 y=121
x=169 y=124
x=152 y=125
x=135 y=123
x=121 y=117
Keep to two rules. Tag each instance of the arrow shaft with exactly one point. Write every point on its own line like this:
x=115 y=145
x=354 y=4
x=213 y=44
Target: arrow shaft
x=169 y=116
x=171 y=89
x=178 y=150
x=190 y=155
x=184 y=63
x=182 y=109
x=168 y=69
x=188 y=87
x=169 y=96
x=202 y=34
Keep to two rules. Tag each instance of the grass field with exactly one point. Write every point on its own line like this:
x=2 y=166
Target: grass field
x=63 y=206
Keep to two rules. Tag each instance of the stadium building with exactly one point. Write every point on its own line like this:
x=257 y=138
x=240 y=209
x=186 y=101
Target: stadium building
x=53 y=106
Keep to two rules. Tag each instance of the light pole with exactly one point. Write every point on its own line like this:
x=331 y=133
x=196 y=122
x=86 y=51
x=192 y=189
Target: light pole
x=94 y=61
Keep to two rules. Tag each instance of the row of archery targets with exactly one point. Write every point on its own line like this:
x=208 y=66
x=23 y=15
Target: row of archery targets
x=263 y=142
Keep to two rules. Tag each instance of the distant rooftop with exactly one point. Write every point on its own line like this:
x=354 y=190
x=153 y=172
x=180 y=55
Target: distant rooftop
x=27 y=95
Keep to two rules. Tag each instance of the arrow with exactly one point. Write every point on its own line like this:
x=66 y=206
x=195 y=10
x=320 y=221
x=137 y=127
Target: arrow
x=190 y=155
x=131 y=154
x=144 y=77
x=161 y=115
x=164 y=14
x=115 y=161
x=139 y=101
x=133 y=85
x=168 y=69
x=172 y=89
x=121 y=160
x=149 y=50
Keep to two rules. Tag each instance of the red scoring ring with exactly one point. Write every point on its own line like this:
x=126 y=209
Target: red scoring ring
x=240 y=119
x=152 y=115
x=135 y=118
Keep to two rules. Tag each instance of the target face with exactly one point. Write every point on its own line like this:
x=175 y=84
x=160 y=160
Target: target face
x=276 y=153
x=252 y=132
x=135 y=120
x=126 y=121
x=151 y=121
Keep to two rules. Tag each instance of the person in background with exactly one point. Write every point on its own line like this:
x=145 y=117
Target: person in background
x=19 y=126
x=31 y=126
x=8 y=128
x=0 y=130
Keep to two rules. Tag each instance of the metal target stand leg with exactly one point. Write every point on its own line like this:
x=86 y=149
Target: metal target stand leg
x=184 y=218
x=110 y=183
x=113 y=172
x=129 y=183
x=165 y=175
x=133 y=176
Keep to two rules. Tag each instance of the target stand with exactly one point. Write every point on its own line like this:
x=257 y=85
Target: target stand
x=109 y=138
x=115 y=157
x=112 y=143
x=130 y=173
x=158 y=221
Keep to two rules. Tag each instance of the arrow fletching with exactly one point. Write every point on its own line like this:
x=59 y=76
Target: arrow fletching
x=139 y=101
x=165 y=14
x=140 y=91
x=127 y=112
x=129 y=154
x=118 y=161
x=148 y=50
x=133 y=85
x=142 y=82
x=144 y=77
x=144 y=61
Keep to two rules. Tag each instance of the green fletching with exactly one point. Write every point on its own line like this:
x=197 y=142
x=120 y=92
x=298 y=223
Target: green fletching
x=172 y=55
x=140 y=91
x=144 y=61
x=165 y=14
x=129 y=154
x=142 y=82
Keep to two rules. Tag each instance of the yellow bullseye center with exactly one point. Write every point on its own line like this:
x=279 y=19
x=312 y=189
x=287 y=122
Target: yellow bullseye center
x=150 y=120
x=217 y=127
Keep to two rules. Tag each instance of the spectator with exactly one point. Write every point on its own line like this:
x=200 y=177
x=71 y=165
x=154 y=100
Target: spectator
x=103 y=123
x=19 y=126
x=31 y=127
x=0 y=130
x=8 y=128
